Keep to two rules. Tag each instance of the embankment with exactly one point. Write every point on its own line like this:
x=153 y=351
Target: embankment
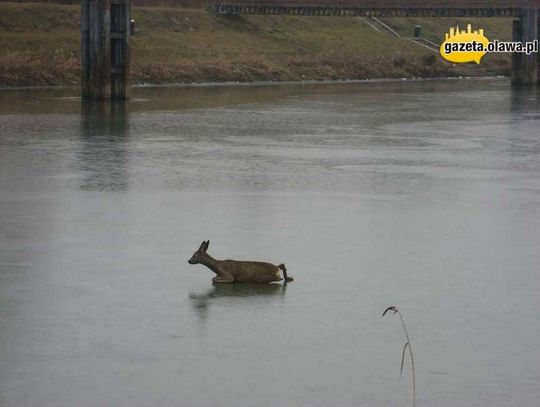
x=39 y=45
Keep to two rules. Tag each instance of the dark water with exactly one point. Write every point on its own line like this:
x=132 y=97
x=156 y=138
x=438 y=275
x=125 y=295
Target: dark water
x=424 y=195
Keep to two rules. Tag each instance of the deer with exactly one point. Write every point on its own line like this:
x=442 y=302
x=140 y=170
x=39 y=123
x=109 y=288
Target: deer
x=234 y=271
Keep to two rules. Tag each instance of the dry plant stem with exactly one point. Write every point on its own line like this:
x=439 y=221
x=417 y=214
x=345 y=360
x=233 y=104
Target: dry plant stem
x=411 y=357
x=407 y=344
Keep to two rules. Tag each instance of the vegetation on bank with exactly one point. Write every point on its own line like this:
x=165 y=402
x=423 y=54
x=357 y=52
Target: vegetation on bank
x=39 y=45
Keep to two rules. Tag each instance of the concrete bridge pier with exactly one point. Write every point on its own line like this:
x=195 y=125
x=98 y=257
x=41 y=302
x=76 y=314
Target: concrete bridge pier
x=525 y=68
x=105 y=54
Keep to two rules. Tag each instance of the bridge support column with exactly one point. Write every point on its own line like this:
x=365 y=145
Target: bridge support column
x=525 y=67
x=105 y=56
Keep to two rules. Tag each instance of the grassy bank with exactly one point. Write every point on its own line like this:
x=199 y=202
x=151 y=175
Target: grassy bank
x=39 y=45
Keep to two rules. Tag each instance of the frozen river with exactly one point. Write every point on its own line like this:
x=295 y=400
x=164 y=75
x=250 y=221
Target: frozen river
x=424 y=195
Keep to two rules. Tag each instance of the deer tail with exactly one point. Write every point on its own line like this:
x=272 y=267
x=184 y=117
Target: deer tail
x=285 y=276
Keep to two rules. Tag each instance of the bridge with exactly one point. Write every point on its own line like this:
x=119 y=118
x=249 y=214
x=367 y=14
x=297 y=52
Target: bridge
x=105 y=30
x=379 y=8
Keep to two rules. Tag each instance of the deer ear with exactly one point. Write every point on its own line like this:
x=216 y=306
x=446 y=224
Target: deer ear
x=206 y=245
x=201 y=248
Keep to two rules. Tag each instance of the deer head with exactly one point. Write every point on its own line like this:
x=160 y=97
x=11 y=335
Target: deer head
x=200 y=255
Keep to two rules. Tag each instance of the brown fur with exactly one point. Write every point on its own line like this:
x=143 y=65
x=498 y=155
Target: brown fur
x=230 y=271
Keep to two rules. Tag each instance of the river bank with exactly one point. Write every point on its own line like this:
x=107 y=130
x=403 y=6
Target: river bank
x=40 y=45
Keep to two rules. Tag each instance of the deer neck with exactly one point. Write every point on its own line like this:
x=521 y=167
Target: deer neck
x=211 y=263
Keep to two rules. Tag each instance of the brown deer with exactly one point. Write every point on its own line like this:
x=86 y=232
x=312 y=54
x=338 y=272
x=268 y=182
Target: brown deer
x=231 y=271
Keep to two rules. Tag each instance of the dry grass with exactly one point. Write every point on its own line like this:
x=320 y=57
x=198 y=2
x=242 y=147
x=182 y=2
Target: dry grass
x=406 y=347
x=39 y=45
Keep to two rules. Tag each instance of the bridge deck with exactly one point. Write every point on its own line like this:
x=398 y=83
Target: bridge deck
x=441 y=8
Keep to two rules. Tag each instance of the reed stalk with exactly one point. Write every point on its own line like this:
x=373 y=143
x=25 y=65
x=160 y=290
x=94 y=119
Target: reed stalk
x=408 y=346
